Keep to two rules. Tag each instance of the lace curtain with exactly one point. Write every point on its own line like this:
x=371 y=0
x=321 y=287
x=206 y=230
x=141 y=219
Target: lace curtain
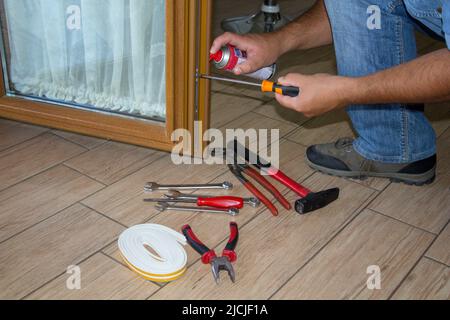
x=109 y=54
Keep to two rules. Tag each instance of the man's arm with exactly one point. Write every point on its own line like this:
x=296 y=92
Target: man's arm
x=310 y=30
x=425 y=79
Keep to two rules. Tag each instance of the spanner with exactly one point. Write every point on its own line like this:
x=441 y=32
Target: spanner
x=174 y=194
x=165 y=206
x=153 y=186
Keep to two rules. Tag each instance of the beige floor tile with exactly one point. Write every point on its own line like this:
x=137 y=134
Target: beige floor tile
x=340 y=270
x=273 y=109
x=40 y=197
x=13 y=133
x=324 y=129
x=101 y=279
x=226 y=107
x=426 y=207
x=215 y=228
x=270 y=249
x=258 y=122
x=85 y=141
x=44 y=251
x=113 y=161
x=440 y=250
x=33 y=156
x=429 y=280
x=123 y=200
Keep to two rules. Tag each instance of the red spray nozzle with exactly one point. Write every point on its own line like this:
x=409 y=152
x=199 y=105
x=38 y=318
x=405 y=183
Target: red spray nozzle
x=216 y=56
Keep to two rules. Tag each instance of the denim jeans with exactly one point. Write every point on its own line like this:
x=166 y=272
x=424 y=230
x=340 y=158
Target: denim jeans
x=393 y=133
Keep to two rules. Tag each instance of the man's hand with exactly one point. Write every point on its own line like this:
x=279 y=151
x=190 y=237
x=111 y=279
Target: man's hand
x=319 y=93
x=262 y=49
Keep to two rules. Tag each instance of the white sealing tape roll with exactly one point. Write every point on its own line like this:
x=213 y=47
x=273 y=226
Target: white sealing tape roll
x=169 y=262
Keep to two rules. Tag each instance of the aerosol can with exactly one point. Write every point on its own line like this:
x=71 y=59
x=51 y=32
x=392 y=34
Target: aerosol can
x=228 y=57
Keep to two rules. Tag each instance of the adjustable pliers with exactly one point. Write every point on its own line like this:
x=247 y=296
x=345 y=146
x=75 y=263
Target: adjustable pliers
x=209 y=256
x=240 y=169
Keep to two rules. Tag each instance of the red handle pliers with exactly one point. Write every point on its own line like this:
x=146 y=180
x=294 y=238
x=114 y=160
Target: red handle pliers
x=240 y=169
x=209 y=256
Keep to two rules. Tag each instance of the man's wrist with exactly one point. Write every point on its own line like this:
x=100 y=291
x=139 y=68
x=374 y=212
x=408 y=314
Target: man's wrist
x=351 y=90
x=279 y=43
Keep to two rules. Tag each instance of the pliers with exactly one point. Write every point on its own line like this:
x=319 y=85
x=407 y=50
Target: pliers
x=240 y=169
x=209 y=256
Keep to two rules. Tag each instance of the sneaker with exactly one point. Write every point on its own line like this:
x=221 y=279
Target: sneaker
x=340 y=159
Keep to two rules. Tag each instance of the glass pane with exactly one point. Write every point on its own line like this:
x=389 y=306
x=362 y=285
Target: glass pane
x=107 y=55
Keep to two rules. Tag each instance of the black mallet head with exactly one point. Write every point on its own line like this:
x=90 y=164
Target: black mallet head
x=316 y=200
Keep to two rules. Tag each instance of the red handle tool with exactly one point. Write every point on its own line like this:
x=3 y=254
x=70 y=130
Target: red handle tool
x=225 y=202
x=207 y=254
x=238 y=171
x=232 y=243
x=270 y=187
x=258 y=194
x=288 y=182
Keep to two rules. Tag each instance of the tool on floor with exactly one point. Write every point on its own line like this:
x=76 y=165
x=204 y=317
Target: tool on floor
x=164 y=206
x=224 y=202
x=310 y=201
x=153 y=186
x=240 y=169
x=154 y=252
x=209 y=256
x=229 y=57
x=265 y=86
x=174 y=194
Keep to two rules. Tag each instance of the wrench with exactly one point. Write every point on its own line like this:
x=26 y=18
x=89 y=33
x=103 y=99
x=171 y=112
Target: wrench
x=153 y=186
x=161 y=207
x=174 y=194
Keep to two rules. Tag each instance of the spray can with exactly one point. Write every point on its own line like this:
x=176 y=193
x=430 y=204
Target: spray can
x=228 y=57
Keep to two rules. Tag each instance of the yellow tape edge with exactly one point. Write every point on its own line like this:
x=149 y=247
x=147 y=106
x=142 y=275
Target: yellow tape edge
x=155 y=277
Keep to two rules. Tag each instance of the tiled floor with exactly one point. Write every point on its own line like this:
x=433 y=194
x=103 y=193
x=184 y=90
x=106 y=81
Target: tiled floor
x=65 y=198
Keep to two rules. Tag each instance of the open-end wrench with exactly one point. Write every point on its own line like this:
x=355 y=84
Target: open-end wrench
x=162 y=206
x=174 y=194
x=153 y=186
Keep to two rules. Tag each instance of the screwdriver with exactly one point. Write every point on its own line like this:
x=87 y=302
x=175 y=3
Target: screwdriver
x=265 y=86
x=225 y=202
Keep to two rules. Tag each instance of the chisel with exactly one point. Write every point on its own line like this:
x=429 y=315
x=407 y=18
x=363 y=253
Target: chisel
x=265 y=86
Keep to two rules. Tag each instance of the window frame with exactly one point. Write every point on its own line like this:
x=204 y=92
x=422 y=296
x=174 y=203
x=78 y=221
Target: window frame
x=185 y=39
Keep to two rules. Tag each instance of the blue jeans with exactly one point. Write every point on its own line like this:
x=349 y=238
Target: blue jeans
x=394 y=133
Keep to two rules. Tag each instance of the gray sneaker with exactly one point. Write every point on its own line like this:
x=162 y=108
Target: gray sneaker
x=340 y=159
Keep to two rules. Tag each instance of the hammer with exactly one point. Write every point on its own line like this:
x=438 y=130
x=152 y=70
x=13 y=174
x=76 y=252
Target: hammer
x=310 y=201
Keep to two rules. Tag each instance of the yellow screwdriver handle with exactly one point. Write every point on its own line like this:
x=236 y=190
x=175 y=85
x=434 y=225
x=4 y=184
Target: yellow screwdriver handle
x=269 y=86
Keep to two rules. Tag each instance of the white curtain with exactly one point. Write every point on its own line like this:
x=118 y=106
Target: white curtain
x=114 y=59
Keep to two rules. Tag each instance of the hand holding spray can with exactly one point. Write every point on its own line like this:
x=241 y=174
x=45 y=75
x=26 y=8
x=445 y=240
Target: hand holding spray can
x=228 y=57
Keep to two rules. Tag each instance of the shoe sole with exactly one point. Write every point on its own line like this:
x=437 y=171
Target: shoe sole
x=406 y=178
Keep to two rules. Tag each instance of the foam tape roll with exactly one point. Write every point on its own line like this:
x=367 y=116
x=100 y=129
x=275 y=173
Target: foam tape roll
x=167 y=263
